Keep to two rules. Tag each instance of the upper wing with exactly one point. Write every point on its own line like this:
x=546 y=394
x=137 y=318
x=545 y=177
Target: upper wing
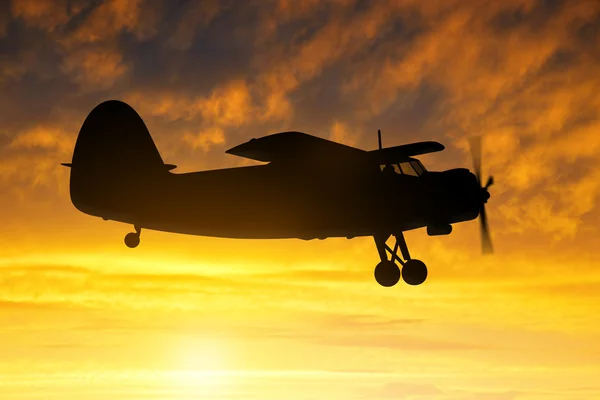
x=296 y=146
x=397 y=154
x=307 y=149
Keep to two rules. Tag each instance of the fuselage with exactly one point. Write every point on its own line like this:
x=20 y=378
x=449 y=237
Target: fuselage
x=311 y=187
x=274 y=201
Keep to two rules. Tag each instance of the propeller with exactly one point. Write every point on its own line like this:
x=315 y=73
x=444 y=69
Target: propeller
x=486 y=242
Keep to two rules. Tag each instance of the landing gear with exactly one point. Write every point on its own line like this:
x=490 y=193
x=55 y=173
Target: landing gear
x=414 y=272
x=132 y=239
x=387 y=272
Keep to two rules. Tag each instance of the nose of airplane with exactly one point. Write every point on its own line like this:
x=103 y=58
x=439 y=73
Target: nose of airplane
x=486 y=195
x=465 y=190
x=484 y=189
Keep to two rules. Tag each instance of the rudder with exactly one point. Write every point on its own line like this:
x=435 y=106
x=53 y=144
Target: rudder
x=115 y=160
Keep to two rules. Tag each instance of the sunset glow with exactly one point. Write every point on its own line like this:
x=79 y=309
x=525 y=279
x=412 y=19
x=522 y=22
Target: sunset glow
x=84 y=317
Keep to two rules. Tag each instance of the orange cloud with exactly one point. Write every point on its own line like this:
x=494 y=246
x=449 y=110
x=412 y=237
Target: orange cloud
x=47 y=138
x=91 y=53
x=496 y=82
x=45 y=14
x=339 y=37
x=341 y=133
x=205 y=139
x=227 y=105
x=98 y=67
x=106 y=21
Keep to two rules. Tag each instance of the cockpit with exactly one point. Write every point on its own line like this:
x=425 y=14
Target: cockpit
x=411 y=167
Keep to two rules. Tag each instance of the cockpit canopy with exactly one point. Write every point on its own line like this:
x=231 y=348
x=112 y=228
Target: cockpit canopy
x=412 y=167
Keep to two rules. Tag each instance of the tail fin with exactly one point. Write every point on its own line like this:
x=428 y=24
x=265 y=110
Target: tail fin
x=114 y=158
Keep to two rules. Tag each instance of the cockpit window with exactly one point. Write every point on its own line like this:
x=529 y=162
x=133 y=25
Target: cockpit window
x=408 y=169
x=411 y=168
x=416 y=165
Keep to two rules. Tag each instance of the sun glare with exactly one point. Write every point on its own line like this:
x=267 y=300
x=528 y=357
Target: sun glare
x=201 y=355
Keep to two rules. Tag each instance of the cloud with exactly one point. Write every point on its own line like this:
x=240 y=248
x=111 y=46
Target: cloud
x=4 y=18
x=504 y=395
x=13 y=68
x=33 y=157
x=204 y=121
x=43 y=14
x=397 y=343
x=227 y=105
x=88 y=35
x=92 y=54
x=196 y=15
x=590 y=289
x=24 y=306
x=107 y=21
x=405 y=390
x=342 y=133
x=538 y=117
x=63 y=285
x=46 y=138
x=426 y=391
x=206 y=138
x=520 y=72
x=98 y=68
x=340 y=37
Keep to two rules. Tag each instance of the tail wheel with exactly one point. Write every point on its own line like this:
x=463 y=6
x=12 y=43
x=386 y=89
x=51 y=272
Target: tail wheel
x=132 y=240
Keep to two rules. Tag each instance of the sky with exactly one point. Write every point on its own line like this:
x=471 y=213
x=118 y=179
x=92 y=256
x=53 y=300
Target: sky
x=83 y=316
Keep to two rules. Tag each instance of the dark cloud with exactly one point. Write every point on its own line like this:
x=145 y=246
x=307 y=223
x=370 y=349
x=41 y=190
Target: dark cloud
x=4 y=18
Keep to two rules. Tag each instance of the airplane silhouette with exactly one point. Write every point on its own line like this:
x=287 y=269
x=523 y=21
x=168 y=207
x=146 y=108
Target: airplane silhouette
x=310 y=188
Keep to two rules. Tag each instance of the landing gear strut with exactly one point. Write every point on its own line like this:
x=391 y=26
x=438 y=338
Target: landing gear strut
x=387 y=272
x=132 y=239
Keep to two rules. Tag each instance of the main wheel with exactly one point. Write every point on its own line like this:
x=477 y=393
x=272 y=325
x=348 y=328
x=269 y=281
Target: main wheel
x=387 y=273
x=132 y=240
x=414 y=272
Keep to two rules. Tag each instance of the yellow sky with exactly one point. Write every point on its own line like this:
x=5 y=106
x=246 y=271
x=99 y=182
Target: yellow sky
x=84 y=317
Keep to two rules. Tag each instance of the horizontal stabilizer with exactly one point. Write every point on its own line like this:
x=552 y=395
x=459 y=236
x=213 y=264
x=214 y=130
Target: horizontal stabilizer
x=169 y=167
x=397 y=154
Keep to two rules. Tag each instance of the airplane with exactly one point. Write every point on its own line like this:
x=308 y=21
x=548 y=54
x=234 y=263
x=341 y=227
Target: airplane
x=309 y=188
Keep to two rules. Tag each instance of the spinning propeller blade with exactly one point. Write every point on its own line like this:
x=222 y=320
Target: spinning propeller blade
x=475 y=144
x=486 y=242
